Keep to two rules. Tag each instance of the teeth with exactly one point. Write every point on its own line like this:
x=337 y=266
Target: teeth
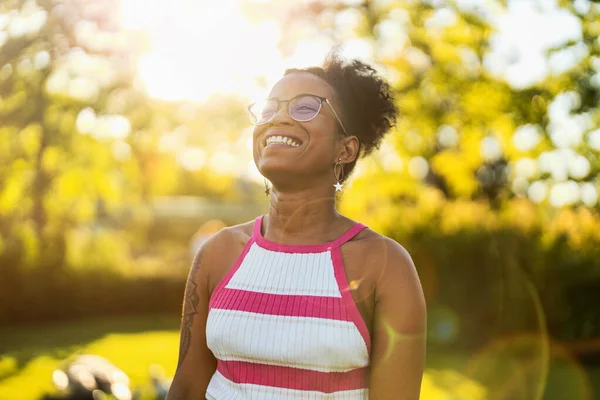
x=283 y=140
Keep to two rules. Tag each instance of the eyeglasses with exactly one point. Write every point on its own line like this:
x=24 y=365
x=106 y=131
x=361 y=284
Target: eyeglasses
x=301 y=108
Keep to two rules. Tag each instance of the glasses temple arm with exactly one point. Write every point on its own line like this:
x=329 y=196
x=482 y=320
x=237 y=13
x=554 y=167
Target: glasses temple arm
x=337 y=117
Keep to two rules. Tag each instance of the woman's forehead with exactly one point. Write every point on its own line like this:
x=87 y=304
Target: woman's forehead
x=301 y=82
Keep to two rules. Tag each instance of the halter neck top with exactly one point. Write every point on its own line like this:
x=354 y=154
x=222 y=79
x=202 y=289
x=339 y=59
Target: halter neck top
x=282 y=325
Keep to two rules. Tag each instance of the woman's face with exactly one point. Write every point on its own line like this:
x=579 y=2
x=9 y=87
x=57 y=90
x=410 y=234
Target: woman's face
x=317 y=138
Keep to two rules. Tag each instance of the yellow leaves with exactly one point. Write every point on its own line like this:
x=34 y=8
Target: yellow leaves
x=163 y=173
x=71 y=184
x=484 y=101
x=79 y=209
x=12 y=192
x=52 y=158
x=503 y=128
x=66 y=125
x=403 y=75
x=457 y=172
x=30 y=139
x=12 y=102
x=539 y=104
x=390 y=200
x=464 y=33
x=102 y=249
x=467 y=215
x=76 y=192
x=27 y=236
x=521 y=213
x=470 y=144
x=7 y=134
x=52 y=115
x=409 y=103
x=84 y=210
x=592 y=29
x=581 y=227
x=10 y=195
x=371 y=197
x=444 y=52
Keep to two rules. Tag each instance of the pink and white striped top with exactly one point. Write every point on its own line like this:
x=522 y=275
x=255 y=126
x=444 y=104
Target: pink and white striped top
x=283 y=325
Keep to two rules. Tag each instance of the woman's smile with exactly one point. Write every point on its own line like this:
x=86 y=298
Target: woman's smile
x=281 y=141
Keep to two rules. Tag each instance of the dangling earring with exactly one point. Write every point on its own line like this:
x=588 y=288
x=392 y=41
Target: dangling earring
x=338 y=177
x=267 y=188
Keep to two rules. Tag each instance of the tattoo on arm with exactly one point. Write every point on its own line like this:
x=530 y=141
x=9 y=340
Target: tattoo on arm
x=190 y=310
x=176 y=393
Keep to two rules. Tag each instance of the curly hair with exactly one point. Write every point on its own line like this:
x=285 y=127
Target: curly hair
x=368 y=107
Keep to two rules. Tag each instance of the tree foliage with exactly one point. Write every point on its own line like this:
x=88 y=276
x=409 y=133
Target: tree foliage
x=463 y=128
x=84 y=151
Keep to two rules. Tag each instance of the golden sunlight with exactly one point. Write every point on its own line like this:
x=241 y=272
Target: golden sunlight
x=196 y=49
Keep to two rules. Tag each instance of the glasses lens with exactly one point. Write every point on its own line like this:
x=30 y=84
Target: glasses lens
x=305 y=108
x=262 y=111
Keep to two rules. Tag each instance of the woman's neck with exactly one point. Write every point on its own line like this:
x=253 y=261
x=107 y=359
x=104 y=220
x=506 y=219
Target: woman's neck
x=306 y=217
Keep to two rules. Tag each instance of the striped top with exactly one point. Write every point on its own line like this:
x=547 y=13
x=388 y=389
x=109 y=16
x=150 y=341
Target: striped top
x=283 y=325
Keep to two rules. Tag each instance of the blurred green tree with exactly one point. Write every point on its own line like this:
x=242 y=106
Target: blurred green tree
x=463 y=128
x=65 y=80
x=84 y=151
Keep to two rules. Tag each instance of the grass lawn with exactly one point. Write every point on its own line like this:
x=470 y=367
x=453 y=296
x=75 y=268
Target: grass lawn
x=28 y=355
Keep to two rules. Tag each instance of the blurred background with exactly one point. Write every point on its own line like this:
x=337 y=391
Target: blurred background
x=124 y=142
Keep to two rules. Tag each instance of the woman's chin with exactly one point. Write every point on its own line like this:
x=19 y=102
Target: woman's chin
x=277 y=166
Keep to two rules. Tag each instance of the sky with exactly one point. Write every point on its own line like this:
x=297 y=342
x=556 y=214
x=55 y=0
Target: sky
x=525 y=33
x=196 y=49
x=200 y=48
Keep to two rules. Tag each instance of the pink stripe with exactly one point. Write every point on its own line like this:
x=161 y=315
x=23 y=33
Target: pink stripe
x=351 y=308
x=348 y=235
x=281 y=304
x=292 y=378
x=218 y=289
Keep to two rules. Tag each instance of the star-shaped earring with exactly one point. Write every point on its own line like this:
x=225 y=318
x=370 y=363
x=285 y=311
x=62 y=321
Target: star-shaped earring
x=338 y=187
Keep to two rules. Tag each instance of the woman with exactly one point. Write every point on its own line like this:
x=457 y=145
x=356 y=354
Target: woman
x=305 y=303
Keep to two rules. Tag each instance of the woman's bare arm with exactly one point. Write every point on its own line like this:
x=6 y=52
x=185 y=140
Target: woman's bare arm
x=196 y=362
x=399 y=332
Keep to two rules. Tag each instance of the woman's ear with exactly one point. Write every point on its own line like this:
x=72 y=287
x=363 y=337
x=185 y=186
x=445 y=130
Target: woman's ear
x=350 y=149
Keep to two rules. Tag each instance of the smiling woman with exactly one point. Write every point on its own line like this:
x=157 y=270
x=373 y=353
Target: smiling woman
x=304 y=303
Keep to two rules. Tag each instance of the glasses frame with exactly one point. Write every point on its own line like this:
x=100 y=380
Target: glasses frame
x=322 y=100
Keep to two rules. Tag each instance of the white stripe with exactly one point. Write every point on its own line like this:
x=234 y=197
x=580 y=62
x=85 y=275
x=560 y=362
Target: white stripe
x=318 y=344
x=308 y=274
x=222 y=388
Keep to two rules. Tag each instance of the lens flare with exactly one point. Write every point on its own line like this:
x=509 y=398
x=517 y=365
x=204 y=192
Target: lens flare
x=393 y=338
x=515 y=367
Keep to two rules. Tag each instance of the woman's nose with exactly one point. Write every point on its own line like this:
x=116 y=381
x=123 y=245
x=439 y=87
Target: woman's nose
x=282 y=115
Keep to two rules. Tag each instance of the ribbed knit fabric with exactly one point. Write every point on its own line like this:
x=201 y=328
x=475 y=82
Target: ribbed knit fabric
x=283 y=325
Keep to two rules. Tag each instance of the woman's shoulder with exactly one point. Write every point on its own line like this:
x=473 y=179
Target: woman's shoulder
x=378 y=251
x=220 y=251
x=368 y=237
x=229 y=236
